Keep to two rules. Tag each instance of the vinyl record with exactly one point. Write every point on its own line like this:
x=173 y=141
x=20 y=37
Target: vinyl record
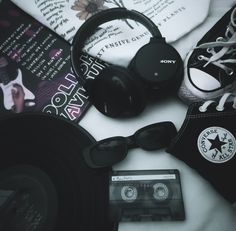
x=41 y=160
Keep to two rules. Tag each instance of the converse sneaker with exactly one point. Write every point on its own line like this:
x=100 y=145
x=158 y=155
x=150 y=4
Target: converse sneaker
x=210 y=68
x=206 y=142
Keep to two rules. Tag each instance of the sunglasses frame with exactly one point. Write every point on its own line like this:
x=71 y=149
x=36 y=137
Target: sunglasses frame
x=130 y=142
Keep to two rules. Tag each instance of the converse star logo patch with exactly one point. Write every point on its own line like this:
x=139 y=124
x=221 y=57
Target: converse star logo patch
x=216 y=144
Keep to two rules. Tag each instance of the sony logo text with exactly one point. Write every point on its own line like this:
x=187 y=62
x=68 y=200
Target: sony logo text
x=168 y=61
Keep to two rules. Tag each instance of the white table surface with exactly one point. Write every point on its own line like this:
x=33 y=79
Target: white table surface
x=205 y=209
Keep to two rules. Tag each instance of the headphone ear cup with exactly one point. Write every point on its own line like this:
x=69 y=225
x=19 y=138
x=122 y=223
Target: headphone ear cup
x=115 y=93
x=158 y=65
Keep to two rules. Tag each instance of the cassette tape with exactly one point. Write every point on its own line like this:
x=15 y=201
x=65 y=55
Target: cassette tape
x=146 y=195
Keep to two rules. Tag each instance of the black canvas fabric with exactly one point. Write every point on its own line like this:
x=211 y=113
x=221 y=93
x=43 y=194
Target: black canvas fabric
x=206 y=142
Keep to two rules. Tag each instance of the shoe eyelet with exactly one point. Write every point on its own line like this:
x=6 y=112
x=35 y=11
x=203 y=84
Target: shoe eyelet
x=219 y=39
x=201 y=109
x=200 y=57
x=220 y=108
x=229 y=72
x=209 y=50
x=228 y=33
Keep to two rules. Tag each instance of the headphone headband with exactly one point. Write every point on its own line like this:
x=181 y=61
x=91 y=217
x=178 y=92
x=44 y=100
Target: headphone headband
x=92 y=23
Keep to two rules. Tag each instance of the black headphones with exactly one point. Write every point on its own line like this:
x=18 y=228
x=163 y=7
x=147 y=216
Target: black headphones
x=122 y=92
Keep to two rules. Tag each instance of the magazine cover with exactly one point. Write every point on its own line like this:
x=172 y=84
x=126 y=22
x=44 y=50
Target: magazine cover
x=35 y=68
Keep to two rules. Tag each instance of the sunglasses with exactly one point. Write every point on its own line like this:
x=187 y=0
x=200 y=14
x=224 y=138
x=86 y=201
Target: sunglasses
x=110 y=151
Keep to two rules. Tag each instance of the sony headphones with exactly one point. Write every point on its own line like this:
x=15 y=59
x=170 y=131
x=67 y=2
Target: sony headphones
x=122 y=92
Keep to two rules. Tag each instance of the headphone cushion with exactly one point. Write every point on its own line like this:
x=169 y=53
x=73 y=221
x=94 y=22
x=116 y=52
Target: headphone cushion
x=115 y=93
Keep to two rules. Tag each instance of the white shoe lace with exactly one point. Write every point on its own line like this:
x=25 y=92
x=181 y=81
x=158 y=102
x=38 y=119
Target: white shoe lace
x=220 y=107
x=227 y=45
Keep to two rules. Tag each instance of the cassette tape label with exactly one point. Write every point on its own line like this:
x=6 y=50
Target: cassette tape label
x=146 y=195
x=143 y=177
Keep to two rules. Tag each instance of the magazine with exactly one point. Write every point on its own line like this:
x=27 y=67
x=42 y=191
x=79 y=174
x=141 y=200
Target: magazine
x=66 y=16
x=35 y=68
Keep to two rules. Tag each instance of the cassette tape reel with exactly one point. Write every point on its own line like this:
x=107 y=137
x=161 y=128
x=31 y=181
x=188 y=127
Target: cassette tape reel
x=151 y=195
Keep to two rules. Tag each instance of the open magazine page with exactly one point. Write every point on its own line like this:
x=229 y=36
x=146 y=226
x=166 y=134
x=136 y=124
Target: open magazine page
x=35 y=68
x=66 y=16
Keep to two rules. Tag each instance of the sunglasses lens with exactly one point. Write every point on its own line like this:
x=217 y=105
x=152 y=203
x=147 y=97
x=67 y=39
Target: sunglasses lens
x=106 y=152
x=155 y=136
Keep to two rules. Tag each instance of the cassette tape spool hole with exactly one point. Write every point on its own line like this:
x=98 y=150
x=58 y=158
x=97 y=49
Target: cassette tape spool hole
x=160 y=192
x=129 y=193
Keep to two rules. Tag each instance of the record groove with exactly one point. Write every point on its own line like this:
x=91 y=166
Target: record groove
x=53 y=146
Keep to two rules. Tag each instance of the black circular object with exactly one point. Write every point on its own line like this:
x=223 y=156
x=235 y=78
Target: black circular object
x=158 y=64
x=42 y=159
x=117 y=93
x=36 y=201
